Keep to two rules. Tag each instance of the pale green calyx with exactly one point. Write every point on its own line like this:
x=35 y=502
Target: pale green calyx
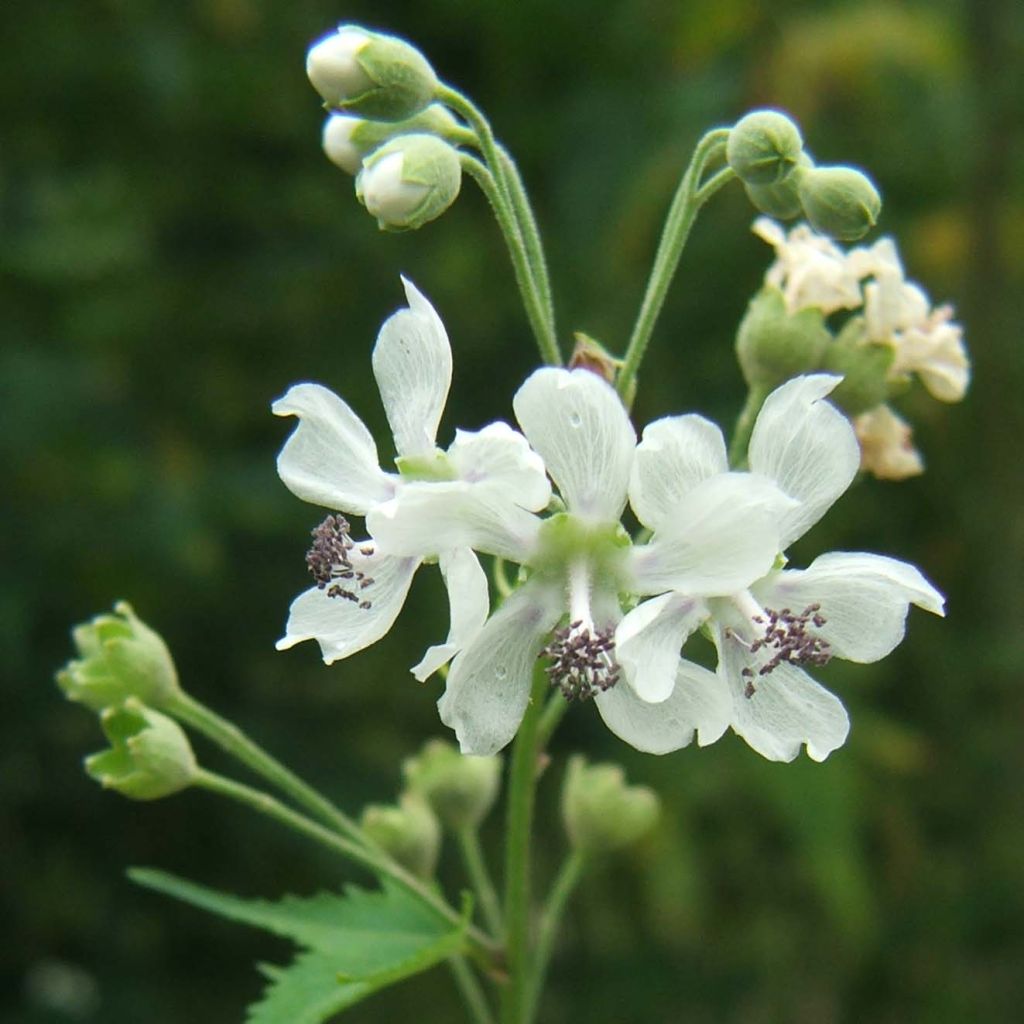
x=409 y=181
x=600 y=811
x=461 y=789
x=434 y=466
x=409 y=832
x=763 y=147
x=371 y=74
x=781 y=199
x=348 y=139
x=149 y=755
x=565 y=539
x=840 y=202
x=119 y=657
x=864 y=365
x=773 y=345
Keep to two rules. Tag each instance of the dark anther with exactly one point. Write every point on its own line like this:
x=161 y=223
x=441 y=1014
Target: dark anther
x=787 y=636
x=582 y=664
x=329 y=560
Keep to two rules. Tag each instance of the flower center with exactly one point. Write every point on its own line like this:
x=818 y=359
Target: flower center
x=786 y=636
x=329 y=560
x=582 y=664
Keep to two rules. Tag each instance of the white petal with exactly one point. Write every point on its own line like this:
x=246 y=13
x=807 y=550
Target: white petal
x=807 y=446
x=786 y=710
x=502 y=456
x=488 y=686
x=699 y=703
x=340 y=626
x=468 y=604
x=330 y=458
x=578 y=424
x=675 y=454
x=864 y=599
x=412 y=362
x=723 y=536
x=428 y=518
x=648 y=641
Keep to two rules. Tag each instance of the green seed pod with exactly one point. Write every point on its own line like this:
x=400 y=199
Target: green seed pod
x=773 y=345
x=119 y=657
x=409 y=832
x=409 y=181
x=781 y=200
x=840 y=202
x=149 y=756
x=600 y=812
x=763 y=147
x=865 y=368
x=461 y=789
x=371 y=74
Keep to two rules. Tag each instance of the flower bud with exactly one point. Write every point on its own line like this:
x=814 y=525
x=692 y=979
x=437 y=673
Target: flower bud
x=781 y=199
x=371 y=74
x=409 y=181
x=840 y=202
x=461 y=789
x=774 y=345
x=119 y=657
x=589 y=354
x=347 y=139
x=601 y=813
x=864 y=367
x=149 y=755
x=763 y=147
x=409 y=832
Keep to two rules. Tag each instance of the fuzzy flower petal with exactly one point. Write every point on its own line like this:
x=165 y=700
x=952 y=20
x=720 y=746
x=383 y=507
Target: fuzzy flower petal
x=807 y=447
x=578 y=425
x=330 y=458
x=502 y=456
x=675 y=454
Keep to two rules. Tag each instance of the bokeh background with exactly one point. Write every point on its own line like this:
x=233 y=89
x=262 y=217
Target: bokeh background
x=175 y=251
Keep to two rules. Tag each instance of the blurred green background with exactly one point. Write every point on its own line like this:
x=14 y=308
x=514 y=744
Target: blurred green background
x=175 y=251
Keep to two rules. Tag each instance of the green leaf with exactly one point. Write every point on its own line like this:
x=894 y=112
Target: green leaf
x=353 y=943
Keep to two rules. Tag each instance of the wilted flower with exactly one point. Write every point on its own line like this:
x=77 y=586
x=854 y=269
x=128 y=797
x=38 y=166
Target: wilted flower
x=331 y=459
x=886 y=447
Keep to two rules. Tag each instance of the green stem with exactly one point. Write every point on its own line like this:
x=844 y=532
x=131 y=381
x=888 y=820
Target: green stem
x=228 y=736
x=471 y=991
x=745 y=425
x=270 y=806
x=685 y=205
x=521 y=792
x=556 y=708
x=545 y=339
x=500 y=578
x=480 y=878
x=565 y=883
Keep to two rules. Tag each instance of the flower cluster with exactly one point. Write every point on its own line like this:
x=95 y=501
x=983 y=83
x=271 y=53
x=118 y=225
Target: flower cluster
x=894 y=335
x=611 y=613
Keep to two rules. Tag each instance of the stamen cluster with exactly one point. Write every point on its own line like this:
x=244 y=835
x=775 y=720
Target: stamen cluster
x=581 y=663
x=786 y=632
x=329 y=561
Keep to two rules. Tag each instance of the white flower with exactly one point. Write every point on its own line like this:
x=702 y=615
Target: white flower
x=899 y=313
x=579 y=562
x=886 y=447
x=333 y=67
x=809 y=269
x=331 y=459
x=848 y=605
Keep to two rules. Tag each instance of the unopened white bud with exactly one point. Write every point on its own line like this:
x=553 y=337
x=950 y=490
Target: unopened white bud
x=409 y=181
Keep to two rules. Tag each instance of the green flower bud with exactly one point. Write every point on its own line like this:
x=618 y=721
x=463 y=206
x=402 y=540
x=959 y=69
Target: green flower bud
x=348 y=139
x=371 y=74
x=149 y=755
x=840 y=202
x=782 y=199
x=461 y=789
x=864 y=366
x=763 y=147
x=409 y=832
x=409 y=181
x=119 y=657
x=773 y=345
x=601 y=813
